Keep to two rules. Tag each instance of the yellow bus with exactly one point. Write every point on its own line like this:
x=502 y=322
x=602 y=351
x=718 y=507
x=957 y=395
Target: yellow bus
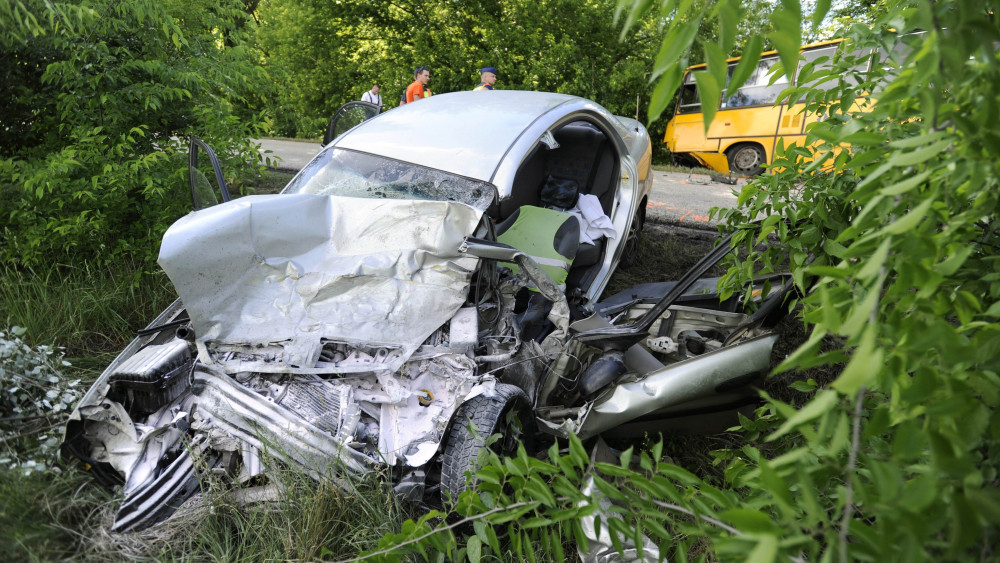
x=743 y=136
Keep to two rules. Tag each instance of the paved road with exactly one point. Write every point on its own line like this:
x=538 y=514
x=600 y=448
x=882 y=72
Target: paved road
x=676 y=198
x=293 y=155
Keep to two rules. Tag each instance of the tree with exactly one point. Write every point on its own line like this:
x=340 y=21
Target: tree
x=330 y=53
x=888 y=219
x=102 y=94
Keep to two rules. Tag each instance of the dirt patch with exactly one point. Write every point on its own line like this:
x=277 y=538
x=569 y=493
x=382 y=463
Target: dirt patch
x=657 y=229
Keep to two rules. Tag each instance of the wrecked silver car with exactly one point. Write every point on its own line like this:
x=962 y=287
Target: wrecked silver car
x=394 y=308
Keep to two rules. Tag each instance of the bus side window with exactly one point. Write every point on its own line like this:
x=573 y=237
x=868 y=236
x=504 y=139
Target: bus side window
x=689 y=101
x=757 y=91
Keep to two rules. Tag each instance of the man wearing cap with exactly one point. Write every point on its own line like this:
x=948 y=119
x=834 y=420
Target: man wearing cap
x=487 y=78
x=418 y=89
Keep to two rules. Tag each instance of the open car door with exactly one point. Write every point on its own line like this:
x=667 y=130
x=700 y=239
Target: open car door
x=349 y=115
x=208 y=187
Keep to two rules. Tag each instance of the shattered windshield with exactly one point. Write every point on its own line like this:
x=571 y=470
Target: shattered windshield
x=357 y=174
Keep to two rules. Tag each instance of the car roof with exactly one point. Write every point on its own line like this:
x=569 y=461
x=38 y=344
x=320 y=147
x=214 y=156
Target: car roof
x=465 y=133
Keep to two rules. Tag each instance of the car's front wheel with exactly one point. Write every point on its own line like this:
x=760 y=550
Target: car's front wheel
x=506 y=412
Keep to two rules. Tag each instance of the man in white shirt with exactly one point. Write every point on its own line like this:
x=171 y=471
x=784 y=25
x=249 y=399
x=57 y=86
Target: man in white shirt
x=373 y=97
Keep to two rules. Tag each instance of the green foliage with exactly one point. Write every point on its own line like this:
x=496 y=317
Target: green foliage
x=35 y=399
x=888 y=219
x=532 y=509
x=556 y=45
x=91 y=139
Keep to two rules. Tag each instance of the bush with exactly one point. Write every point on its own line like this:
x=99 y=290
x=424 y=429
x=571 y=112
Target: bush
x=35 y=401
x=92 y=137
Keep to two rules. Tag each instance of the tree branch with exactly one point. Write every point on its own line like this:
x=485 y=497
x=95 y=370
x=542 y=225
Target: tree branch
x=851 y=463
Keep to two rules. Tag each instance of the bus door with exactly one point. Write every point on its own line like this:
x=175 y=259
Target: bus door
x=688 y=122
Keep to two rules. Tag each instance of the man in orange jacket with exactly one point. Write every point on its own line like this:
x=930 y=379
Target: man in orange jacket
x=418 y=89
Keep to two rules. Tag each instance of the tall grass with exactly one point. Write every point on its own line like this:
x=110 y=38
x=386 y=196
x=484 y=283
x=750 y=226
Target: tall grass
x=89 y=310
x=294 y=518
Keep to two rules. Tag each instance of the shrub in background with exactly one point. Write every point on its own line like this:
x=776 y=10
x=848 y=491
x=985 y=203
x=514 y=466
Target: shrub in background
x=101 y=96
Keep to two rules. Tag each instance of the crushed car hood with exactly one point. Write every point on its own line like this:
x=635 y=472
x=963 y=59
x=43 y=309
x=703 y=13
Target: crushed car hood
x=290 y=272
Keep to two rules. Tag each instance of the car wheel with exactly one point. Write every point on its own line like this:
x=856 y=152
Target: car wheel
x=507 y=412
x=630 y=252
x=747 y=159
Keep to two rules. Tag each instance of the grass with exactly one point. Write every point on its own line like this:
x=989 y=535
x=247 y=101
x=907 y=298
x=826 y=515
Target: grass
x=49 y=516
x=684 y=169
x=88 y=310
x=316 y=139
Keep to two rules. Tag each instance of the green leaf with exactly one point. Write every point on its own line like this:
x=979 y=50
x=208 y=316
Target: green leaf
x=746 y=66
x=717 y=66
x=536 y=522
x=864 y=139
x=540 y=491
x=679 y=474
x=919 y=493
x=820 y=9
x=474 y=549
x=993 y=311
x=676 y=42
x=749 y=521
x=906 y=185
x=901 y=160
x=823 y=402
x=918 y=140
x=787 y=38
x=865 y=362
x=708 y=92
x=876 y=263
x=729 y=17
x=804 y=351
x=664 y=91
x=765 y=551
x=910 y=221
x=958 y=257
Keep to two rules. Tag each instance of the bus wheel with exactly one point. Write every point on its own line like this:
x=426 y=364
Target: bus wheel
x=746 y=158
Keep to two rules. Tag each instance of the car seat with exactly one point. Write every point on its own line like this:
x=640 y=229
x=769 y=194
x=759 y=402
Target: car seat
x=549 y=236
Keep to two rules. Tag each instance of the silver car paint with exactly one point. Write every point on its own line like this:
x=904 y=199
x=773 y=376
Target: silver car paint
x=295 y=271
x=488 y=137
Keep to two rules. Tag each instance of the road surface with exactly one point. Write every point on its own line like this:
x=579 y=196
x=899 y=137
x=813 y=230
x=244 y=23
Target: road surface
x=677 y=198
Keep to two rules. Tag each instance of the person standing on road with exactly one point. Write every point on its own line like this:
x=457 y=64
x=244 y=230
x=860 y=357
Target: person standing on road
x=487 y=78
x=373 y=97
x=418 y=89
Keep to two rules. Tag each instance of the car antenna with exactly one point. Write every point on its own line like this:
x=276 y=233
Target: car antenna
x=637 y=112
x=637 y=106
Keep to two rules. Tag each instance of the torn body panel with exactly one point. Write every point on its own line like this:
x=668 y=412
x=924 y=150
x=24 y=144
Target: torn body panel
x=296 y=271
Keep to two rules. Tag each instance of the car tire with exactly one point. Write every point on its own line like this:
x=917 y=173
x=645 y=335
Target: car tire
x=746 y=158
x=488 y=415
x=630 y=251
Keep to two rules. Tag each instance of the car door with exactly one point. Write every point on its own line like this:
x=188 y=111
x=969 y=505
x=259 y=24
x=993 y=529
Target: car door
x=349 y=115
x=208 y=186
